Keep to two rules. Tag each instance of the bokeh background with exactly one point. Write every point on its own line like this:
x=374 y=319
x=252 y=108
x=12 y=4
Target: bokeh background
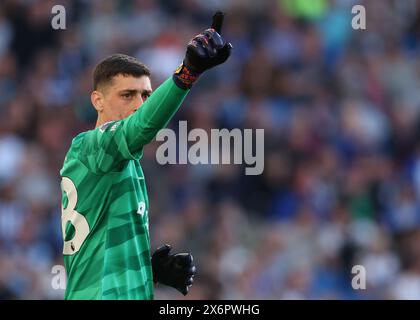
x=340 y=109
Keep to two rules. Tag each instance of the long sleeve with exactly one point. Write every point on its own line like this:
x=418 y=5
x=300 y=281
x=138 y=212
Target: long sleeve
x=106 y=148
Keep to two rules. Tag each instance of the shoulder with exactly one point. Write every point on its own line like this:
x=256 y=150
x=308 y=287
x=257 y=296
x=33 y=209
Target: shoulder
x=74 y=151
x=78 y=140
x=76 y=145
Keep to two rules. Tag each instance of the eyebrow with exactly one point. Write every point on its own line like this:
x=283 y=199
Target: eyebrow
x=133 y=91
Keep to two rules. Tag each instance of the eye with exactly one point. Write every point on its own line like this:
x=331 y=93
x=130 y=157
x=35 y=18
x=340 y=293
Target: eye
x=145 y=96
x=126 y=95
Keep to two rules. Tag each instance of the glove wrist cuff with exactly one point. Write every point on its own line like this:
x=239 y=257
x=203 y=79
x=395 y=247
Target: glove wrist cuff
x=185 y=76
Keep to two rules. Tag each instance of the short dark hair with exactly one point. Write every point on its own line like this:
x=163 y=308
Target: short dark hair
x=118 y=64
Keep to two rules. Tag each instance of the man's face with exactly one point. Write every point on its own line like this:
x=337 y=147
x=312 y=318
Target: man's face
x=123 y=96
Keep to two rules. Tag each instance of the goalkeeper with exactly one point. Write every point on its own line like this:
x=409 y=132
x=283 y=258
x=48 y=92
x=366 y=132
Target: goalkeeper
x=105 y=207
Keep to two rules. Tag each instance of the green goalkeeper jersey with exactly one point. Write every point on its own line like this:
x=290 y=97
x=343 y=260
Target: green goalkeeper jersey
x=105 y=206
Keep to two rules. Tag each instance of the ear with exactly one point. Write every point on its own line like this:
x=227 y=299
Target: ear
x=97 y=100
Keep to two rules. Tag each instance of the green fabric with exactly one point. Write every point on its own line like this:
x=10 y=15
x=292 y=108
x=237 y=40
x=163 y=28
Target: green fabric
x=105 y=203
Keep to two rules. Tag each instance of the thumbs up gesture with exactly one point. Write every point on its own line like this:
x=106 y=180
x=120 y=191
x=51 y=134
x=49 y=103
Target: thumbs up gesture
x=206 y=50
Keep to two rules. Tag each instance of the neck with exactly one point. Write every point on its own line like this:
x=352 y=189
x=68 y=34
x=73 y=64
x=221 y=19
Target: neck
x=100 y=121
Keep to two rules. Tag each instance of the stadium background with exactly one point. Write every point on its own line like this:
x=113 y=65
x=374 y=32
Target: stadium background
x=340 y=109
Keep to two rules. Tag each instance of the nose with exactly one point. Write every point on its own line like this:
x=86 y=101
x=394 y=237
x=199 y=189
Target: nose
x=138 y=104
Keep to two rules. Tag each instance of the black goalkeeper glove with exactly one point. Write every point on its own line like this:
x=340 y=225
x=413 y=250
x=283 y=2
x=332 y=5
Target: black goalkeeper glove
x=206 y=50
x=174 y=270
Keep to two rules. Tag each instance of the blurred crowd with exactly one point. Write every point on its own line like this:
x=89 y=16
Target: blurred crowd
x=341 y=114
